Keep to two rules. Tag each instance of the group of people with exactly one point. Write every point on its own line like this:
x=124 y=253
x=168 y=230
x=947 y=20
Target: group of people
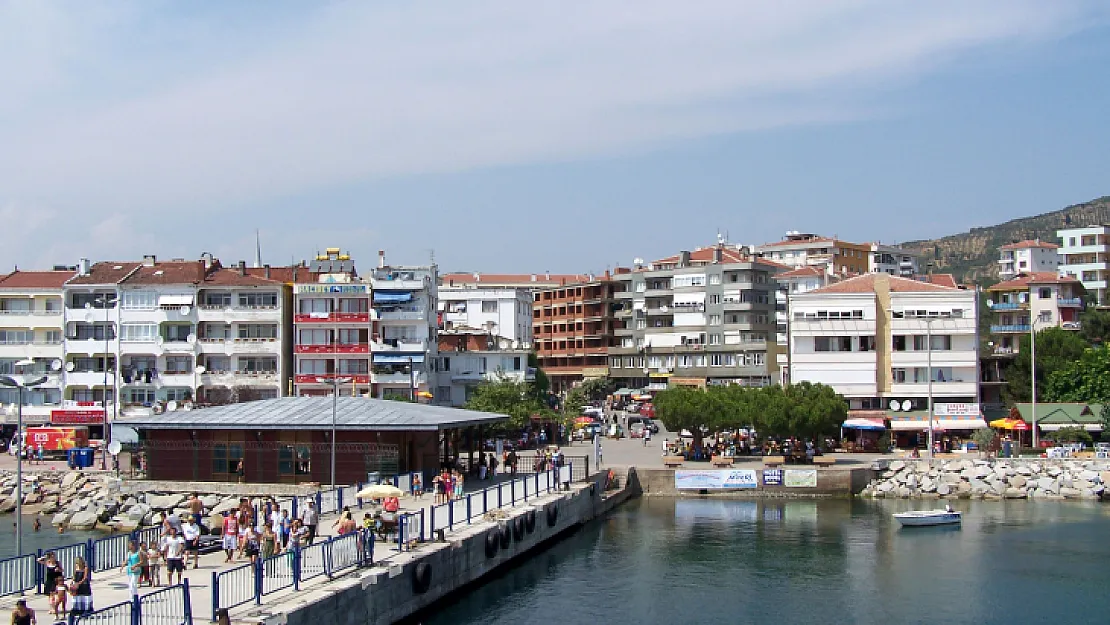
x=274 y=530
x=449 y=485
x=59 y=590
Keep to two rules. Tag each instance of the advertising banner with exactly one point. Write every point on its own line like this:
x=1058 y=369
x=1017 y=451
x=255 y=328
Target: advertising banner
x=772 y=477
x=714 y=479
x=800 y=478
x=76 y=417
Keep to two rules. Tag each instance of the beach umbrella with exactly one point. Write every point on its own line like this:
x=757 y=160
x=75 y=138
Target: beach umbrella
x=379 y=491
x=1002 y=423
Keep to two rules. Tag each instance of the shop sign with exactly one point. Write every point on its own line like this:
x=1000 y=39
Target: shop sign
x=595 y=372
x=715 y=479
x=772 y=477
x=800 y=478
x=76 y=417
x=325 y=289
x=956 y=410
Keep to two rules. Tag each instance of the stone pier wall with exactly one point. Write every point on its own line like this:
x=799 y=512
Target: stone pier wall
x=991 y=479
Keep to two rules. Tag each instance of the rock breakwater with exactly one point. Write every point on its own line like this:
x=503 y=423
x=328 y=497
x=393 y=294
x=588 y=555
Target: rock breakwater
x=991 y=479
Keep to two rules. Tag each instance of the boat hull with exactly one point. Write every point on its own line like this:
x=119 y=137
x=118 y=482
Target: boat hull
x=919 y=519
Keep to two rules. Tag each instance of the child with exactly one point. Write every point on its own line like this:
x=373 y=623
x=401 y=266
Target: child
x=153 y=565
x=144 y=572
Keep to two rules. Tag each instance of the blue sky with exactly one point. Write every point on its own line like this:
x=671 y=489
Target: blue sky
x=524 y=137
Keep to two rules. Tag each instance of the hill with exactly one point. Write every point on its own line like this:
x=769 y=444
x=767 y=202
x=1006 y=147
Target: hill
x=973 y=255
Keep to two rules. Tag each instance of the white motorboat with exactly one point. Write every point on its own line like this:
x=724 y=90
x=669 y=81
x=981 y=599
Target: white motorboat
x=921 y=518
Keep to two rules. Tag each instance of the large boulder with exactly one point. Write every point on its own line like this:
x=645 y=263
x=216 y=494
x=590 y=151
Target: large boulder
x=943 y=488
x=84 y=520
x=138 y=512
x=165 y=502
x=1018 y=481
x=7 y=505
x=1069 y=492
x=60 y=518
x=897 y=465
x=1015 y=493
x=211 y=501
x=73 y=479
x=227 y=505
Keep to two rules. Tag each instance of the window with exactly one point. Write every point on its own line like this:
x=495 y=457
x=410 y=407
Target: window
x=716 y=339
x=16 y=305
x=217 y=364
x=867 y=343
x=1044 y=293
x=715 y=319
x=227 y=453
x=939 y=343
x=689 y=281
x=314 y=305
x=355 y=336
x=258 y=300
x=354 y=305
x=312 y=367
x=53 y=337
x=258 y=331
x=899 y=342
x=1045 y=316
x=217 y=299
x=516 y=363
x=139 y=300
x=685 y=361
x=758 y=359
x=714 y=299
x=489 y=306
x=482 y=365
x=178 y=394
x=16 y=337
x=349 y=366
x=94 y=332
x=730 y=360
x=179 y=364
x=615 y=362
x=85 y=363
x=832 y=344
x=138 y=333
x=716 y=360
x=314 y=337
x=215 y=331
x=898 y=376
x=144 y=396
x=263 y=364
x=715 y=279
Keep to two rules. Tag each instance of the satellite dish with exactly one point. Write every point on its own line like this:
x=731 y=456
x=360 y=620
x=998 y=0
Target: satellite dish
x=69 y=366
x=990 y=303
x=894 y=405
x=171 y=406
x=199 y=369
x=907 y=405
x=88 y=317
x=114 y=448
x=88 y=305
x=56 y=365
x=184 y=310
x=192 y=338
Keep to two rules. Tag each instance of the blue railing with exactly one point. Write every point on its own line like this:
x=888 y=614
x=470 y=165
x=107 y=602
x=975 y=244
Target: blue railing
x=506 y=494
x=18 y=575
x=1070 y=302
x=168 y=606
x=1006 y=306
x=1009 y=328
x=250 y=582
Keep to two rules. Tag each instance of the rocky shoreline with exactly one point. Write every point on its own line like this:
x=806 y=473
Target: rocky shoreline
x=86 y=501
x=991 y=479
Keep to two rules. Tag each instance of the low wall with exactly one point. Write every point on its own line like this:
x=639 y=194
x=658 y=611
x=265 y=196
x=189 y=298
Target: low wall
x=830 y=482
x=391 y=592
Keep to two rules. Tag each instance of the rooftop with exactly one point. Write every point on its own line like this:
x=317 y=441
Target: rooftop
x=801 y=272
x=1021 y=245
x=31 y=280
x=105 y=272
x=1023 y=280
x=867 y=283
x=511 y=279
x=315 y=413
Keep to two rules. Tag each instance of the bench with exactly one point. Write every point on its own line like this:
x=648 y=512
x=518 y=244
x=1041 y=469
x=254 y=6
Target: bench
x=824 y=461
x=774 y=461
x=721 y=461
x=672 y=462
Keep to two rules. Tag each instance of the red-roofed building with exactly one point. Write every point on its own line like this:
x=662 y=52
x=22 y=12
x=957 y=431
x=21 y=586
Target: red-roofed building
x=799 y=249
x=1033 y=256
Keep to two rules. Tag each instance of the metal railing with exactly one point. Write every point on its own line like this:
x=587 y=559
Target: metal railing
x=168 y=606
x=18 y=575
x=474 y=505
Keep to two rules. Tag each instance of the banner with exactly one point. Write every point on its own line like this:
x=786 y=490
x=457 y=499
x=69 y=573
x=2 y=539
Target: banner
x=714 y=479
x=76 y=417
x=772 y=477
x=800 y=478
x=956 y=410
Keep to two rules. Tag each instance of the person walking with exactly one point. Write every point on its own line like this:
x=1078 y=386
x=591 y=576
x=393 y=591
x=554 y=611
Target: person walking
x=310 y=517
x=173 y=550
x=81 y=589
x=133 y=567
x=230 y=535
x=190 y=531
x=196 y=508
x=286 y=528
x=269 y=542
x=154 y=565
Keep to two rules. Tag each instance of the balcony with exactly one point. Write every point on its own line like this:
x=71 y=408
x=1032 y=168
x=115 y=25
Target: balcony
x=1010 y=329
x=401 y=315
x=334 y=348
x=1009 y=306
x=399 y=345
x=1069 y=302
x=398 y=378
x=238 y=378
x=88 y=378
x=91 y=346
x=239 y=313
x=180 y=378
x=334 y=317
x=314 y=378
x=179 y=347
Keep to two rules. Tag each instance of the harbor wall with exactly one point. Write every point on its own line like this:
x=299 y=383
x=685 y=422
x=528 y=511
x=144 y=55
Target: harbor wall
x=830 y=482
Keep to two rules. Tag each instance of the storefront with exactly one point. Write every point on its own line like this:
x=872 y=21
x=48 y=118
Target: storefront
x=863 y=430
x=910 y=430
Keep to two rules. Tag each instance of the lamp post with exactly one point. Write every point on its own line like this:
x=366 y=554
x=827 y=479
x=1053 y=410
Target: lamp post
x=929 y=372
x=106 y=302
x=1033 y=369
x=335 y=384
x=19 y=383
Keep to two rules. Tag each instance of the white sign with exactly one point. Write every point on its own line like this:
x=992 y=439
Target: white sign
x=956 y=410
x=714 y=479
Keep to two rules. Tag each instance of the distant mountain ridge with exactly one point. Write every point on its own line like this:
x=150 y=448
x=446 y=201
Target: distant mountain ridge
x=973 y=255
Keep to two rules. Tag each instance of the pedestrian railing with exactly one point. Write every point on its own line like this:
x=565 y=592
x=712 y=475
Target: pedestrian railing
x=250 y=582
x=18 y=575
x=476 y=504
x=109 y=552
x=168 y=606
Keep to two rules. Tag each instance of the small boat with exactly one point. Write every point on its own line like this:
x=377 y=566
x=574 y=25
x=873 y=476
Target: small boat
x=921 y=518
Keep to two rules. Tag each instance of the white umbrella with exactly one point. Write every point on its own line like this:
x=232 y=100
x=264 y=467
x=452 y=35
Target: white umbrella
x=379 y=491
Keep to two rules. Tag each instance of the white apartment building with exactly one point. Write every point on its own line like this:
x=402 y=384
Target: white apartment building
x=405 y=309
x=872 y=338
x=893 y=260
x=1034 y=256
x=792 y=283
x=31 y=327
x=1085 y=254
x=182 y=332
x=500 y=312
x=468 y=357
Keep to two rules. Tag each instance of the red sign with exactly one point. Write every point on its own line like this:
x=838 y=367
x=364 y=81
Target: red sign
x=343 y=348
x=315 y=378
x=76 y=417
x=335 y=317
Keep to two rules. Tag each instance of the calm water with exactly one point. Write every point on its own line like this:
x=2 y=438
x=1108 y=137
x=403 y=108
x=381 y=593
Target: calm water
x=45 y=538
x=679 y=562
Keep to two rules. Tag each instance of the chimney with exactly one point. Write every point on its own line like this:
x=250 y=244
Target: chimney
x=84 y=267
x=547 y=276
x=381 y=259
x=717 y=254
x=266 y=271
x=684 y=258
x=148 y=260
x=242 y=267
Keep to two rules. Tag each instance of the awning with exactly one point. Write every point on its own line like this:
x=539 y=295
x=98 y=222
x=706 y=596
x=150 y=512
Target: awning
x=397 y=359
x=175 y=300
x=623 y=391
x=938 y=424
x=863 y=424
x=1054 y=427
x=392 y=297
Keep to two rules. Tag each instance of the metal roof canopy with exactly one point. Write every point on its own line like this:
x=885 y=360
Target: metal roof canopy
x=314 y=413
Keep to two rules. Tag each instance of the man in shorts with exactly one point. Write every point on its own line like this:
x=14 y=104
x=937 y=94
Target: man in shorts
x=190 y=531
x=230 y=535
x=196 y=508
x=173 y=549
x=310 y=518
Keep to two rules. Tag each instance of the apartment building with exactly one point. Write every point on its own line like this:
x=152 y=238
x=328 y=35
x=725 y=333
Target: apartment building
x=1034 y=256
x=31 y=328
x=872 y=338
x=892 y=260
x=1085 y=254
x=800 y=249
x=469 y=357
x=405 y=312
x=572 y=328
x=526 y=281
x=695 y=318
x=790 y=283
x=505 y=312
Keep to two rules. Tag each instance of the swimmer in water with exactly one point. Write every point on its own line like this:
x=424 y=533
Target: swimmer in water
x=38 y=524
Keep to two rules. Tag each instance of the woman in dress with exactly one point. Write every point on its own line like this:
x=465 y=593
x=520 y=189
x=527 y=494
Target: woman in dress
x=54 y=577
x=269 y=542
x=81 y=589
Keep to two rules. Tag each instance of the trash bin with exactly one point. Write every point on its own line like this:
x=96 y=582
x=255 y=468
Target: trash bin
x=84 y=457
x=71 y=458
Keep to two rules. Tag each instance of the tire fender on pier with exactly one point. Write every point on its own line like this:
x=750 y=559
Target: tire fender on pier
x=552 y=514
x=518 y=528
x=421 y=578
x=506 y=535
x=493 y=540
x=530 y=521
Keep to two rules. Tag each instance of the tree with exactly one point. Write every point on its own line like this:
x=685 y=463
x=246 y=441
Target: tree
x=1071 y=435
x=814 y=409
x=519 y=400
x=1085 y=380
x=684 y=408
x=596 y=388
x=1095 y=326
x=1056 y=349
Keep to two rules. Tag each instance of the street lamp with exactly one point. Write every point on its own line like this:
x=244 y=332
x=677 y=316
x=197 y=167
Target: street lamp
x=1033 y=367
x=106 y=302
x=21 y=382
x=334 y=383
x=929 y=372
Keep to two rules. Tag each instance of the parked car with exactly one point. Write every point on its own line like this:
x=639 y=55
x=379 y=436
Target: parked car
x=645 y=422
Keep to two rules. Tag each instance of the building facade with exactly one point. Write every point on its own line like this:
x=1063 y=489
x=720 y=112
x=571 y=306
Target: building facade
x=501 y=312
x=873 y=337
x=792 y=283
x=1034 y=256
x=799 y=249
x=405 y=312
x=893 y=260
x=1085 y=254
x=469 y=357
x=696 y=318
x=572 y=328
x=31 y=329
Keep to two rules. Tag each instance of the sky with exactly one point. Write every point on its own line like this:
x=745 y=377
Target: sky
x=563 y=136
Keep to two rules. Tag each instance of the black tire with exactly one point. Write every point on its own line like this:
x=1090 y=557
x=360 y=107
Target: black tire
x=493 y=540
x=530 y=521
x=421 y=578
x=518 y=528
x=506 y=535
x=552 y=515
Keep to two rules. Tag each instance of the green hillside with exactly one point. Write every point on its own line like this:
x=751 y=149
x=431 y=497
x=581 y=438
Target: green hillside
x=973 y=255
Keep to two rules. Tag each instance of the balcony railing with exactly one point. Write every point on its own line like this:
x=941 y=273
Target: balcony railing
x=335 y=348
x=37 y=312
x=334 y=317
x=1008 y=305
x=1009 y=329
x=314 y=378
x=401 y=315
x=1069 y=302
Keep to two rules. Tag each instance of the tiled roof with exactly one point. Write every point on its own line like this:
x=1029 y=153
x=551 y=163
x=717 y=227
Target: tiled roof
x=1023 y=280
x=943 y=279
x=519 y=279
x=1021 y=245
x=35 y=279
x=168 y=272
x=706 y=254
x=229 y=276
x=866 y=284
x=284 y=274
x=802 y=272
x=812 y=241
x=105 y=272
